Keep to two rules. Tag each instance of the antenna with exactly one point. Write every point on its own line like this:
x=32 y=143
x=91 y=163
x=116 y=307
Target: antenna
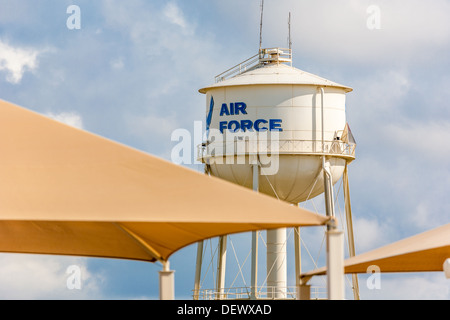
x=289 y=36
x=260 y=26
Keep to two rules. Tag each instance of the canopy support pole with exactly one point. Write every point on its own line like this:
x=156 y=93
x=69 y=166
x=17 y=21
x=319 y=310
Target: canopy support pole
x=351 y=239
x=199 y=262
x=166 y=282
x=335 y=264
x=166 y=276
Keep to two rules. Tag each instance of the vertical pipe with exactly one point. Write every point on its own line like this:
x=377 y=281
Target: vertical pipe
x=322 y=94
x=327 y=178
x=335 y=238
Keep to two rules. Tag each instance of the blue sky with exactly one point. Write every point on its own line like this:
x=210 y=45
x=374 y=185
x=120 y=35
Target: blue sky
x=132 y=72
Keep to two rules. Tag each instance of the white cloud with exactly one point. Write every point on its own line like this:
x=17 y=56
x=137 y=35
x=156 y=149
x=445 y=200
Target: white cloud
x=175 y=15
x=411 y=31
x=404 y=286
x=117 y=64
x=16 y=61
x=44 y=277
x=371 y=234
x=427 y=138
x=70 y=118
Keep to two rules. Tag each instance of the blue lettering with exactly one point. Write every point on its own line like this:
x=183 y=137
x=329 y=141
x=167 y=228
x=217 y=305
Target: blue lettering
x=259 y=125
x=224 y=110
x=258 y=122
x=236 y=124
x=240 y=106
x=246 y=125
x=275 y=125
x=235 y=109
x=222 y=126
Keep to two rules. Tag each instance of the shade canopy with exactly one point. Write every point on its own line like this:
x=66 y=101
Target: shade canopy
x=65 y=191
x=421 y=253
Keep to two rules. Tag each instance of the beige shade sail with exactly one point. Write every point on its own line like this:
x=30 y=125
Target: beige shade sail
x=65 y=191
x=425 y=252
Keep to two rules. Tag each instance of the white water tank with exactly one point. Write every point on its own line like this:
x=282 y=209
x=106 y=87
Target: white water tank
x=275 y=99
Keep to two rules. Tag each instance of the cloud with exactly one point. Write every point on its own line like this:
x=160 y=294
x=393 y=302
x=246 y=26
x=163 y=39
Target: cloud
x=45 y=277
x=370 y=233
x=415 y=286
x=70 y=118
x=427 y=138
x=117 y=64
x=173 y=13
x=134 y=73
x=16 y=61
x=337 y=32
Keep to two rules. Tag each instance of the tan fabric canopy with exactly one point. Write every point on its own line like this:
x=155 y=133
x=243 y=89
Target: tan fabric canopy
x=68 y=192
x=421 y=253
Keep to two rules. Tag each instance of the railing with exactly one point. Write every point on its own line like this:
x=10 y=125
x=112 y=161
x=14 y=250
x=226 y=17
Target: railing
x=268 y=55
x=336 y=148
x=262 y=293
x=239 y=68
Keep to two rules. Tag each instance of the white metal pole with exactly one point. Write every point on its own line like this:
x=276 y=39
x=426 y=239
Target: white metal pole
x=298 y=255
x=276 y=263
x=351 y=238
x=221 y=266
x=322 y=97
x=255 y=234
x=335 y=264
x=335 y=238
x=198 y=270
x=166 y=283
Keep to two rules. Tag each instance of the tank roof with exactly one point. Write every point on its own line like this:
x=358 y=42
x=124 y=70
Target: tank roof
x=275 y=73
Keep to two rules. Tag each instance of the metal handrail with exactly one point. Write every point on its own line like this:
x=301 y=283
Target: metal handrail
x=252 y=61
x=262 y=293
x=285 y=146
x=265 y=56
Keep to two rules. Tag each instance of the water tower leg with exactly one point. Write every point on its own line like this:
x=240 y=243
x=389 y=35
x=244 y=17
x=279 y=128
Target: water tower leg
x=254 y=263
x=198 y=270
x=351 y=239
x=298 y=256
x=221 y=268
x=328 y=188
x=276 y=264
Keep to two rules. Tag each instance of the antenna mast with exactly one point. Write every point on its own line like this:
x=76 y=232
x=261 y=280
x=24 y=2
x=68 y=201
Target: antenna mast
x=289 y=37
x=260 y=27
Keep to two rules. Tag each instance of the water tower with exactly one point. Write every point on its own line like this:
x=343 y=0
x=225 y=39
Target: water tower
x=280 y=131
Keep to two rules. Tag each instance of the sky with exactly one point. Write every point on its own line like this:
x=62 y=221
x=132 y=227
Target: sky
x=130 y=71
